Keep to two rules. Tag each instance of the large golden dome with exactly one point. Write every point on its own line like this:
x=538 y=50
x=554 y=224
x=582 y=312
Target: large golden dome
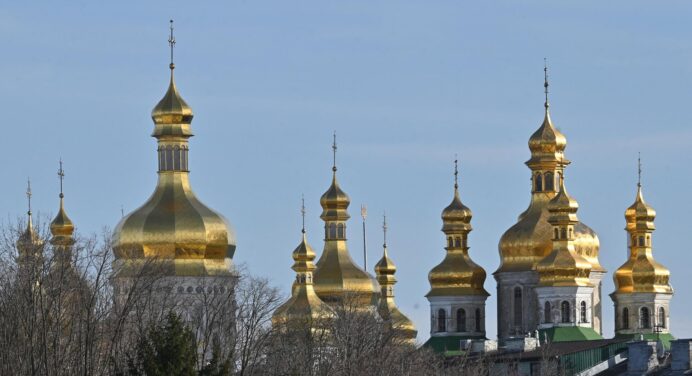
x=641 y=272
x=173 y=225
x=337 y=276
x=528 y=241
x=457 y=274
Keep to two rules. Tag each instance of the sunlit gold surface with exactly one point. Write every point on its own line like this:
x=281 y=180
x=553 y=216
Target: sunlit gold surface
x=62 y=227
x=528 y=241
x=563 y=266
x=388 y=309
x=173 y=225
x=304 y=302
x=457 y=274
x=337 y=276
x=641 y=273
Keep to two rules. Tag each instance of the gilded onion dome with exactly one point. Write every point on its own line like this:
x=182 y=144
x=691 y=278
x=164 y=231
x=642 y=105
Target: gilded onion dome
x=173 y=225
x=563 y=266
x=337 y=276
x=388 y=310
x=304 y=304
x=62 y=227
x=457 y=274
x=528 y=241
x=641 y=273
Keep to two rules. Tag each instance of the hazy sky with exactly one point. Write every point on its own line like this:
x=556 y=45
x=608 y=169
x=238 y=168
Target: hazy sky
x=405 y=84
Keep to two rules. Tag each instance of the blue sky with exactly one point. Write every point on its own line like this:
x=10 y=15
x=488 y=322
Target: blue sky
x=405 y=84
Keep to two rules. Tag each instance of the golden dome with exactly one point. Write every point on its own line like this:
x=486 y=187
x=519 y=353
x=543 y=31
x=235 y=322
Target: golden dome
x=337 y=276
x=172 y=108
x=304 y=304
x=641 y=272
x=563 y=266
x=62 y=227
x=173 y=225
x=29 y=239
x=528 y=241
x=457 y=274
x=335 y=202
x=388 y=309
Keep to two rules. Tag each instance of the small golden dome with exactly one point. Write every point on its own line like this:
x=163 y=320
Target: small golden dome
x=547 y=142
x=335 y=202
x=456 y=211
x=172 y=108
x=640 y=214
x=385 y=268
x=62 y=227
x=29 y=238
x=563 y=266
x=387 y=308
x=304 y=304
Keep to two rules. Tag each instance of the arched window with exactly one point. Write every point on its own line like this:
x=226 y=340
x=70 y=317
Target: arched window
x=518 y=308
x=450 y=242
x=332 y=230
x=557 y=233
x=340 y=231
x=644 y=318
x=457 y=242
x=461 y=320
x=169 y=158
x=564 y=309
x=563 y=233
x=641 y=241
x=625 y=318
x=539 y=183
x=441 y=320
x=582 y=311
x=176 y=158
x=183 y=163
x=547 y=313
x=570 y=233
x=661 y=317
x=549 y=181
x=478 y=320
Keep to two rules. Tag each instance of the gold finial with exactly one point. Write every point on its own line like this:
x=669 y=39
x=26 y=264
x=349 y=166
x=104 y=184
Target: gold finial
x=61 y=176
x=28 y=195
x=639 y=169
x=334 y=152
x=171 y=43
x=545 y=80
x=456 y=173
x=384 y=229
x=302 y=211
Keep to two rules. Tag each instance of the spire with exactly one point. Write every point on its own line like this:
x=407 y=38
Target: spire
x=171 y=43
x=61 y=227
x=639 y=169
x=385 y=268
x=545 y=82
x=302 y=211
x=334 y=153
x=28 y=198
x=456 y=173
x=172 y=109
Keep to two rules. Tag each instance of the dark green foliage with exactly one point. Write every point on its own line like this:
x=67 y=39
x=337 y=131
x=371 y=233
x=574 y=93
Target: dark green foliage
x=167 y=349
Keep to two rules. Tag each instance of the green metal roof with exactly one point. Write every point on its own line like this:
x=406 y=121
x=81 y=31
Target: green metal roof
x=569 y=333
x=663 y=337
